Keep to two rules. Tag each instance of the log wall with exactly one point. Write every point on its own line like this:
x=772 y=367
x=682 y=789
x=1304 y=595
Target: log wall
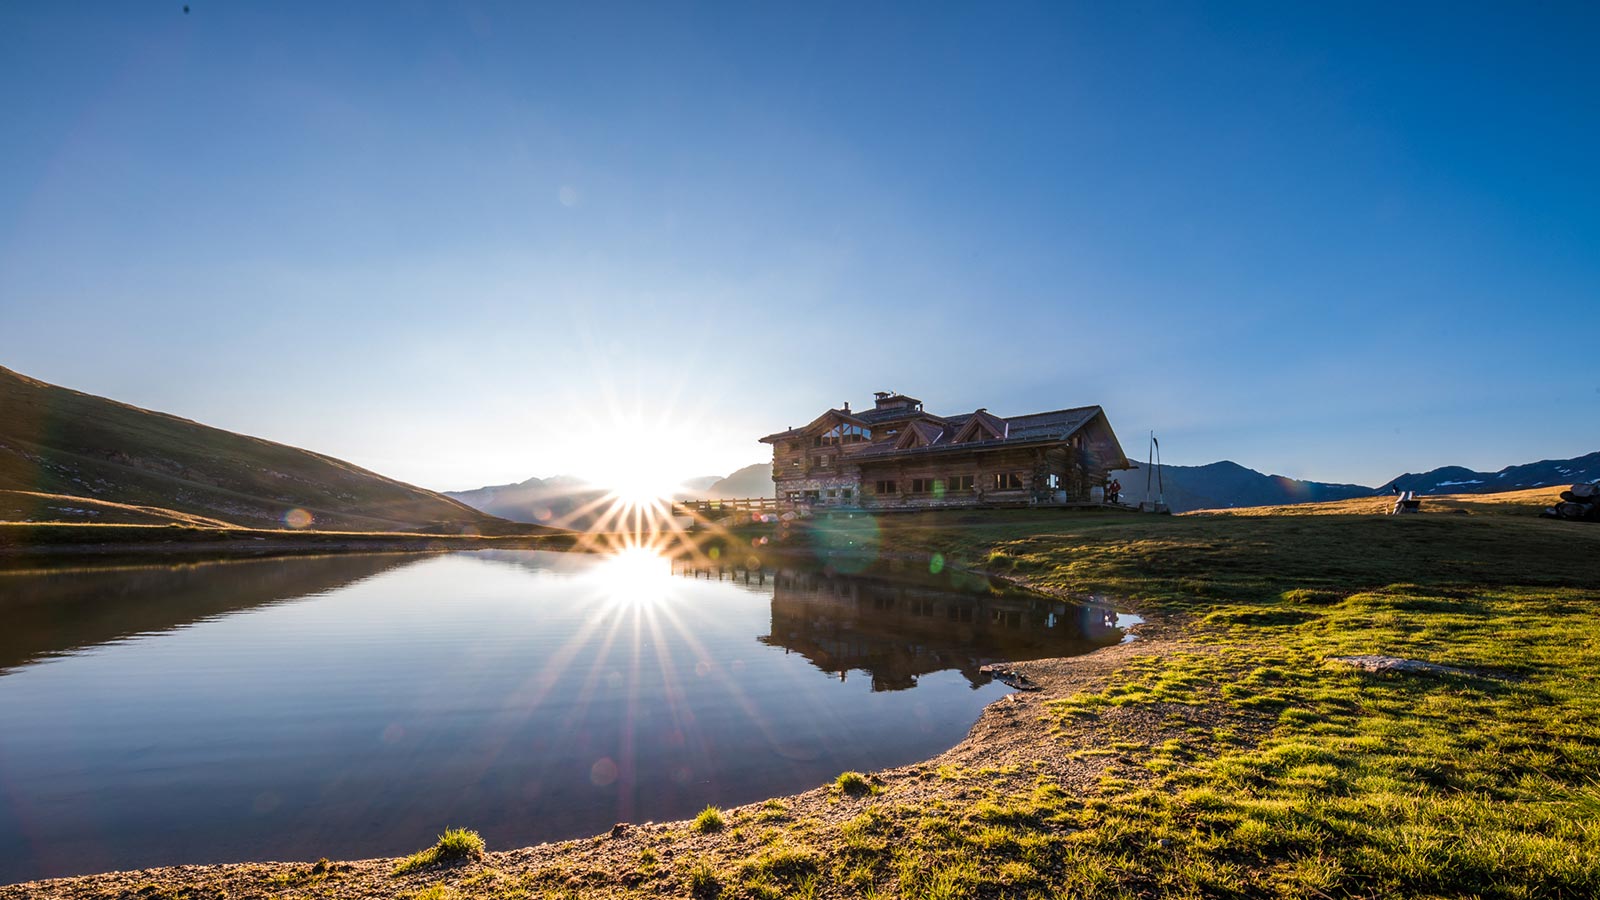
x=851 y=475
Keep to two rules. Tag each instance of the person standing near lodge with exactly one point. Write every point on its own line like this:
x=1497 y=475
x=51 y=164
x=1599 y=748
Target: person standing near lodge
x=1114 y=491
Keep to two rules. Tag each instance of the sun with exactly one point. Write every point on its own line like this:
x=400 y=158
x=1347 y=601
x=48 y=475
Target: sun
x=637 y=455
x=639 y=458
x=639 y=482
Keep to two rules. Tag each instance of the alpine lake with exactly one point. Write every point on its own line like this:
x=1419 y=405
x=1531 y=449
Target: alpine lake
x=356 y=705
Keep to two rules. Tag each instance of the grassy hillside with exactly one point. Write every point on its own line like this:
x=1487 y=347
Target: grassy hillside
x=67 y=456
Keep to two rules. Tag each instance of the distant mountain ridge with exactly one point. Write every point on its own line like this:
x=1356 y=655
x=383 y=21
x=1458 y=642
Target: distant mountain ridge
x=1224 y=484
x=562 y=501
x=1545 y=473
x=1221 y=485
x=568 y=502
x=67 y=456
x=749 y=482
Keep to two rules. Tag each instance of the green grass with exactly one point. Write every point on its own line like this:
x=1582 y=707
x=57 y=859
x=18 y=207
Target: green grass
x=772 y=811
x=1400 y=785
x=853 y=783
x=435 y=892
x=709 y=819
x=780 y=870
x=703 y=881
x=456 y=845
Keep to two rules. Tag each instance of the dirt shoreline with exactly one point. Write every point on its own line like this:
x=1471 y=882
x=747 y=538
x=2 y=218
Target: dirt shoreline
x=1012 y=744
x=257 y=545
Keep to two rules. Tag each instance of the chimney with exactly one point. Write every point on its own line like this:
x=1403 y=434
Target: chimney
x=847 y=406
x=891 y=400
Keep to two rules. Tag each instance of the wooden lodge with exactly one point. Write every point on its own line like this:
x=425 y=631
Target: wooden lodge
x=899 y=456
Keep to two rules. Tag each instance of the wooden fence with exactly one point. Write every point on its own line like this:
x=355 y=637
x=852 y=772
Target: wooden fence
x=710 y=509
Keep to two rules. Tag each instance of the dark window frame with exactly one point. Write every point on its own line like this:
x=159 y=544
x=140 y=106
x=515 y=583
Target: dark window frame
x=1008 y=481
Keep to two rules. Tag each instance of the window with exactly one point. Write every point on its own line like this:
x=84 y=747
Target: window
x=841 y=434
x=832 y=493
x=813 y=496
x=958 y=483
x=847 y=493
x=886 y=487
x=1052 y=481
x=822 y=460
x=1008 y=481
x=922 y=485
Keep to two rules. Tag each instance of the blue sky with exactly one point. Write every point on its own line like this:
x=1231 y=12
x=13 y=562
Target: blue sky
x=456 y=243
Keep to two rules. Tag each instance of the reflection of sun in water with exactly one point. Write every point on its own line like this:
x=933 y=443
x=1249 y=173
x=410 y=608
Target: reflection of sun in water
x=635 y=576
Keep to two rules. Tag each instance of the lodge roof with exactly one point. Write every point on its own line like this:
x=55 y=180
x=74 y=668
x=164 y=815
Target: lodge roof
x=1058 y=425
x=939 y=432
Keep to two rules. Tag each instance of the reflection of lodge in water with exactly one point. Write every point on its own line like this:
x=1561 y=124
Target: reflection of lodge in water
x=897 y=631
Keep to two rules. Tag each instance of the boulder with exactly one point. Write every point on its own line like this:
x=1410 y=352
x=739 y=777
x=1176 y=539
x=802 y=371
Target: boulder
x=1375 y=663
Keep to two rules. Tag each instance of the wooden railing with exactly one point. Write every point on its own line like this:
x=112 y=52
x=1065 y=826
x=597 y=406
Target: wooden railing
x=706 y=509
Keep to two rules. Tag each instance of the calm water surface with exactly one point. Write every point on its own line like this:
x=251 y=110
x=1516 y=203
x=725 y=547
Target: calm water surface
x=354 y=706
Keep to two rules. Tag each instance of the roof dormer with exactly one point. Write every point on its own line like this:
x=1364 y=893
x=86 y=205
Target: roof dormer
x=836 y=428
x=919 y=433
x=981 y=426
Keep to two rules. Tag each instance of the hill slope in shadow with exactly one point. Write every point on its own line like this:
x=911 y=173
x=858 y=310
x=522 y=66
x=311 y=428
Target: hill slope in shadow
x=58 y=444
